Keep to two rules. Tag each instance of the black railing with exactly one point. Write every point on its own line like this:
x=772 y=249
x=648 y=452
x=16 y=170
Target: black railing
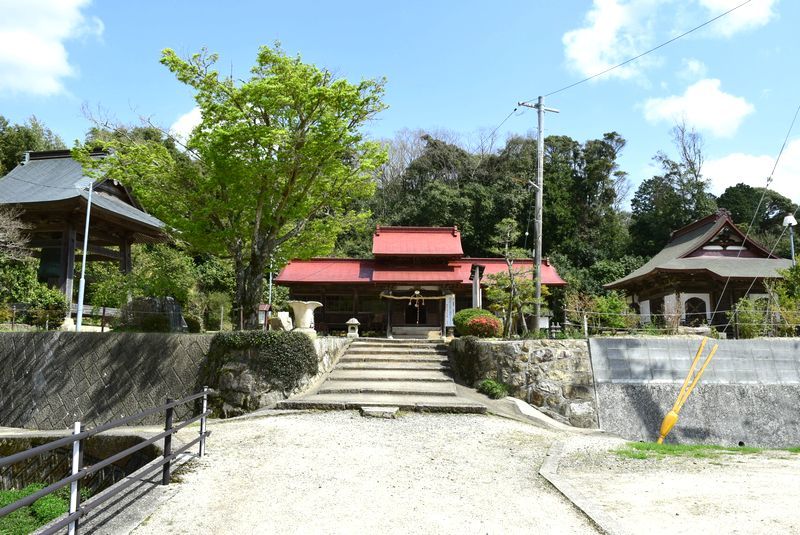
x=78 y=510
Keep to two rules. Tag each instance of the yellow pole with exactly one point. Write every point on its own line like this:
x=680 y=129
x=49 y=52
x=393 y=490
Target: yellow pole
x=672 y=416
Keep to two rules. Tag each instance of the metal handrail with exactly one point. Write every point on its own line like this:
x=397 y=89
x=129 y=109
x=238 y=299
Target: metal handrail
x=80 y=472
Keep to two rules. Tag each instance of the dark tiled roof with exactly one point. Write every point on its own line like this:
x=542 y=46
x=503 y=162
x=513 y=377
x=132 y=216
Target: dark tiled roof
x=674 y=256
x=54 y=176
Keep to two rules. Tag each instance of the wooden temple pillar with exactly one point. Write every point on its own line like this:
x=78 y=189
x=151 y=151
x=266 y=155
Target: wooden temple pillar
x=125 y=263
x=67 y=268
x=389 y=316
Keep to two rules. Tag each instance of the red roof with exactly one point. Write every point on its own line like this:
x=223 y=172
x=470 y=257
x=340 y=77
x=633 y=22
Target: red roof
x=342 y=270
x=417 y=241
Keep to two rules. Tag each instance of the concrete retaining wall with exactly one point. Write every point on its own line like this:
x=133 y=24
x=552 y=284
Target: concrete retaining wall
x=750 y=393
x=50 y=379
x=552 y=375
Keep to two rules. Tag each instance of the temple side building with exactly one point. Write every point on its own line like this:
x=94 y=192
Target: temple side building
x=706 y=267
x=51 y=190
x=417 y=279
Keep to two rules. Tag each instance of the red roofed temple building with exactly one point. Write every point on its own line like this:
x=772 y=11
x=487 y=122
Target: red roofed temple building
x=417 y=279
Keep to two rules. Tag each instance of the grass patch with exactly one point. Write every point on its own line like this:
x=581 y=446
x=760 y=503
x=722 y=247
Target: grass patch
x=794 y=449
x=29 y=519
x=648 y=450
x=493 y=389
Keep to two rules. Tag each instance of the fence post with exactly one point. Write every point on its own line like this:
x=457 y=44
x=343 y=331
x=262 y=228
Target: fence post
x=167 y=442
x=74 y=487
x=203 y=422
x=585 y=326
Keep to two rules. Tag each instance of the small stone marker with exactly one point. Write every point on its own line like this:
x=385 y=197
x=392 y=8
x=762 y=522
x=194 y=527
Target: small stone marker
x=380 y=412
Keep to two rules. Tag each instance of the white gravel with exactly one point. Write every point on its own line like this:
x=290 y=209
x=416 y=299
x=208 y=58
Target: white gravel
x=730 y=494
x=337 y=472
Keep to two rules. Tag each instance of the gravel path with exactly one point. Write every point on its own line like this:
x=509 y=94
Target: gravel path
x=336 y=472
x=731 y=494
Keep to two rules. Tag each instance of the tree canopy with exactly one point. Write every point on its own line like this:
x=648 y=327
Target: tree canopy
x=280 y=161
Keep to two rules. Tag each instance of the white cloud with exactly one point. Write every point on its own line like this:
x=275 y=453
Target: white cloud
x=692 y=68
x=183 y=126
x=704 y=106
x=754 y=169
x=752 y=15
x=33 y=58
x=615 y=30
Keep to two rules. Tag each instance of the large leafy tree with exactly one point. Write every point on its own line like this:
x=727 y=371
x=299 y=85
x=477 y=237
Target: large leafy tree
x=281 y=159
x=676 y=197
x=16 y=139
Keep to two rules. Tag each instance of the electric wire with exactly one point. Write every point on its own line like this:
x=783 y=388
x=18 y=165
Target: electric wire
x=758 y=210
x=665 y=43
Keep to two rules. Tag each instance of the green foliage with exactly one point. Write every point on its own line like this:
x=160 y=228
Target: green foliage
x=106 y=285
x=48 y=308
x=29 y=519
x=750 y=317
x=612 y=312
x=163 y=271
x=493 y=389
x=17 y=280
x=281 y=358
x=462 y=317
x=218 y=309
x=15 y=139
x=768 y=206
x=193 y=324
x=484 y=327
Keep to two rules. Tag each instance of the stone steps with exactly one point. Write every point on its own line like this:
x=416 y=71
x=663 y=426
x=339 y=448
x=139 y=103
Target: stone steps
x=395 y=365
x=389 y=386
x=439 y=359
x=379 y=350
x=389 y=373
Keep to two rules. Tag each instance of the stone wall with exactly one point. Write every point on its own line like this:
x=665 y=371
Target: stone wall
x=552 y=375
x=241 y=390
x=749 y=393
x=50 y=379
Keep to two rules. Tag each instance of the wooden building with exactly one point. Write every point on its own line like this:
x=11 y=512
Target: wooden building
x=417 y=279
x=706 y=266
x=49 y=188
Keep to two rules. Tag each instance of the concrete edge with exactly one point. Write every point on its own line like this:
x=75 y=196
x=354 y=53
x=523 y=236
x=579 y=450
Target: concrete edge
x=549 y=471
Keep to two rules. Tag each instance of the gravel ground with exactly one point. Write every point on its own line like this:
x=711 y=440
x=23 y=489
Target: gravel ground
x=752 y=493
x=336 y=472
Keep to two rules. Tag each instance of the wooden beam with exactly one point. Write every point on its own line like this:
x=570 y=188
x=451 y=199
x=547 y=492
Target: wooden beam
x=68 y=262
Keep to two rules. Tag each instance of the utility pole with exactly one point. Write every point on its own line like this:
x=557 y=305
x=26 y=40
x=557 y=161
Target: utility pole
x=537 y=227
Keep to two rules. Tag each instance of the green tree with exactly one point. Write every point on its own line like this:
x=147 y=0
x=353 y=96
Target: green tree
x=16 y=139
x=281 y=157
x=676 y=197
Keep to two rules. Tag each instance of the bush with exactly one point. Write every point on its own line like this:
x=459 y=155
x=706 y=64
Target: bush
x=48 y=307
x=750 y=317
x=280 y=358
x=493 y=389
x=462 y=317
x=484 y=327
x=193 y=324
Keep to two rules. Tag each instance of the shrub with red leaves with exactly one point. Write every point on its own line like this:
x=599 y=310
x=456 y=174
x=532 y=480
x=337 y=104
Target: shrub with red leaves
x=485 y=327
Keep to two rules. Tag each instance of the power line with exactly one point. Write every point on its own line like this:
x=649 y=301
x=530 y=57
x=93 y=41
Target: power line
x=665 y=43
x=758 y=208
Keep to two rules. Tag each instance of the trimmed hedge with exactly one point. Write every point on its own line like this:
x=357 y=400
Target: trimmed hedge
x=279 y=357
x=462 y=317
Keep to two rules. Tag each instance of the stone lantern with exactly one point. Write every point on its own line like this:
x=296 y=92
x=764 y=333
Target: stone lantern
x=304 y=316
x=352 y=328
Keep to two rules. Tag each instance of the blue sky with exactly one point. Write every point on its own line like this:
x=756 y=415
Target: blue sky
x=460 y=66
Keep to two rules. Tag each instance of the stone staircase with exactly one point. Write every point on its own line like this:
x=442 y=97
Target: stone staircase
x=403 y=374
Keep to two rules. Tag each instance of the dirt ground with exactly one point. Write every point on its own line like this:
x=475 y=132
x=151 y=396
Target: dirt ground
x=731 y=494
